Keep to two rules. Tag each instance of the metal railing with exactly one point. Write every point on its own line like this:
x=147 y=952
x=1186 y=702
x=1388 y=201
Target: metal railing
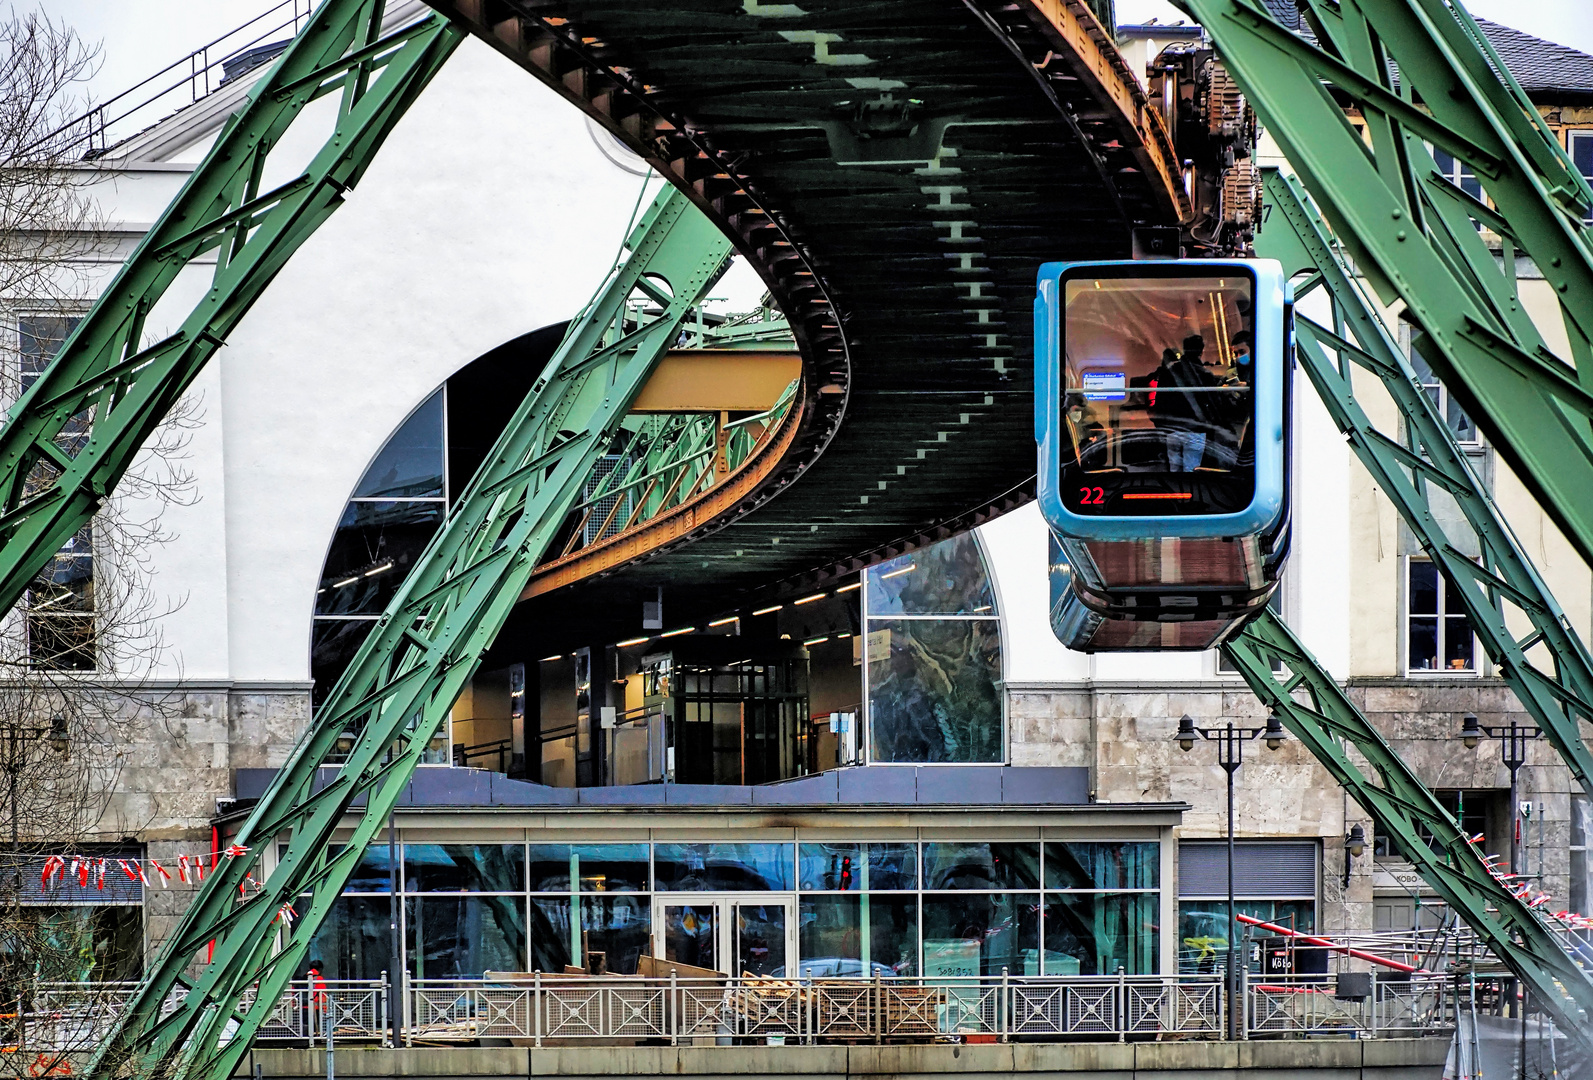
x=77 y=1016
x=1310 y=1005
x=182 y=83
x=609 y=1008
x=663 y=464
x=622 y=1008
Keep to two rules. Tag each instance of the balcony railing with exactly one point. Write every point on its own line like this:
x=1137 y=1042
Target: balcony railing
x=537 y=1008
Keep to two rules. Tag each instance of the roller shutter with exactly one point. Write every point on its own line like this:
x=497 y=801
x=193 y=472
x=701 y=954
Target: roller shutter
x=1276 y=870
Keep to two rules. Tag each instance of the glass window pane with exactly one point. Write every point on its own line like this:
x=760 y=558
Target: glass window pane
x=612 y=867
x=1157 y=384
x=78 y=942
x=464 y=868
x=549 y=865
x=41 y=338
x=1203 y=927
x=1423 y=587
x=1096 y=933
x=333 y=643
x=1423 y=643
x=550 y=934
x=847 y=936
x=723 y=867
x=982 y=866
x=372 y=551
x=1111 y=865
x=371 y=875
x=1459 y=654
x=981 y=933
x=947 y=578
x=691 y=935
x=846 y=867
x=466 y=935
x=410 y=466
x=934 y=690
x=354 y=941
x=619 y=927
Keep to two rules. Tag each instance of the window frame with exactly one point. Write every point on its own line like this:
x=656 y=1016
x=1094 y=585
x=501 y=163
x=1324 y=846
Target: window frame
x=1572 y=137
x=1441 y=615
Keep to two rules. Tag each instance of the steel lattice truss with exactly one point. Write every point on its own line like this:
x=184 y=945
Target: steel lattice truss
x=1413 y=234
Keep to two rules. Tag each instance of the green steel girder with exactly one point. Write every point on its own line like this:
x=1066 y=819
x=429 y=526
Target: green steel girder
x=1316 y=711
x=104 y=378
x=1503 y=579
x=1413 y=235
x=405 y=678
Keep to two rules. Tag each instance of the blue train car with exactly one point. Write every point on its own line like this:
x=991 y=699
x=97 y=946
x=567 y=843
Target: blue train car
x=1162 y=417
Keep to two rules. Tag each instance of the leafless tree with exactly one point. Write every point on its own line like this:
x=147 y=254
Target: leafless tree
x=79 y=655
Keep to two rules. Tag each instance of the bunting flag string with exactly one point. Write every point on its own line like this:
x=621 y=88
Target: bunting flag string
x=87 y=871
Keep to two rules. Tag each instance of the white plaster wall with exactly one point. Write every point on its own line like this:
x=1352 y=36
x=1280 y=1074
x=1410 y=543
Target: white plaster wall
x=488 y=213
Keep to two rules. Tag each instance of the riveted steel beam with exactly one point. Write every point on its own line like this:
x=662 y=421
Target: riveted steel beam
x=1287 y=679
x=106 y=377
x=1420 y=72
x=402 y=683
x=1548 y=667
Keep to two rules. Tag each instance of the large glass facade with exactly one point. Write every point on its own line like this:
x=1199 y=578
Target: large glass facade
x=934 y=686
x=823 y=908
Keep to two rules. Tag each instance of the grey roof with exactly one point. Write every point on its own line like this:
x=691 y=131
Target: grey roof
x=1545 y=69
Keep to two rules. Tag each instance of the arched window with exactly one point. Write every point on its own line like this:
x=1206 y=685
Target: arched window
x=933 y=677
x=396 y=508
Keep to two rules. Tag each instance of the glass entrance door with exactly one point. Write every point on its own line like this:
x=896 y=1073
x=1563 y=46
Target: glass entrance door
x=747 y=934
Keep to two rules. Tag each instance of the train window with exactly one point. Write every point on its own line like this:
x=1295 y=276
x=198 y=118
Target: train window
x=1157 y=389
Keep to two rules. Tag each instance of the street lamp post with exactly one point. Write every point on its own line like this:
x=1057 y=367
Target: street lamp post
x=1513 y=752
x=1230 y=742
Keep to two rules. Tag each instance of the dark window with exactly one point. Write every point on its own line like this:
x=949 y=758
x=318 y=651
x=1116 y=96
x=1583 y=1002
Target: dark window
x=1439 y=635
x=1158 y=402
x=41 y=338
x=1460 y=425
x=1460 y=174
x=411 y=465
x=60 y=608
x=1580 y=145
x=982 y=866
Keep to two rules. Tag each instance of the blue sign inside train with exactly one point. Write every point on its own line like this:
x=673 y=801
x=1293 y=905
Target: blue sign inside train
x=1160 y=397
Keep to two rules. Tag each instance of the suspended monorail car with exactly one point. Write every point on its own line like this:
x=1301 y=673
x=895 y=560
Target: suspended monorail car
x=1162 y=415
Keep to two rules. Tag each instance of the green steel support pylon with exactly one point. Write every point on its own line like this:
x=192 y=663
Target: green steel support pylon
x=405 y=678
x=1314 y=708
x=1548 y=666
x=73 y=433
x=1414 y=235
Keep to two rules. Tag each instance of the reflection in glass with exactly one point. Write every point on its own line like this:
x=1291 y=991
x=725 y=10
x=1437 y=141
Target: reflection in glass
x=464 y=867
x=1109 y=865
x=947 y=578
x=375 y=545
x=550 y=934
x=723 y=867
x=611 y=867
x=549 y=865
x=851 y=936
x=1157 y=396
x=1203 y=927
x=354 y=941
x=619 y=927
x=759 y=938
x=691 y=935
x=1097 y=933
x=83 y=943
x=846 y=867
x=934 y=690
x=982 y=866
x=371 y=873
x=40 y=337
x=410 y=466
x=981 y=933
x=465 y=935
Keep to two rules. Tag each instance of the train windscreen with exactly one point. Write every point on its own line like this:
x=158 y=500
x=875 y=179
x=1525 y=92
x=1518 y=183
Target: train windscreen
x=1158 y=401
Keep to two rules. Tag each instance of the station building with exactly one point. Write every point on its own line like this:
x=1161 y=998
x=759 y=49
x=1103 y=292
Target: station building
x=901 y=771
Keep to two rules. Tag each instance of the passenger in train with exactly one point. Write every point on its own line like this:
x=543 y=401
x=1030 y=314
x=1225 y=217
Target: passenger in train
x=1181 y=416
